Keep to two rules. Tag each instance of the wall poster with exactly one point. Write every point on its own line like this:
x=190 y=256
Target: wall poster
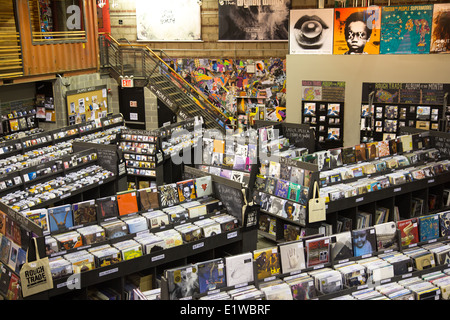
x=256 y=20
x=311 y=31
x=168 y=20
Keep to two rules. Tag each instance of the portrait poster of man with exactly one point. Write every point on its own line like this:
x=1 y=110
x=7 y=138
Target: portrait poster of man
x=254 y=20
x=357 y=30
x=406 y=29
x=440 y=32
x=311 y=31
x=168 y=20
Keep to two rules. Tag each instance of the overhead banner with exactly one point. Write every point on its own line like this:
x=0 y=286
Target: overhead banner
x=254 y=20
x=168 y=20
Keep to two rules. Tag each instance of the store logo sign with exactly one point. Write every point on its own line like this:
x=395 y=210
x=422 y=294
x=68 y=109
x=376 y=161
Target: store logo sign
x=73 y=22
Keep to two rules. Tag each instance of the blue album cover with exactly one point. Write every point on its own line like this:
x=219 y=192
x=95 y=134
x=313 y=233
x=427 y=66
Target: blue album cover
x=60 y=218
x=282 y=188
x=406 y=29
x=211 y=275
x=429 y=227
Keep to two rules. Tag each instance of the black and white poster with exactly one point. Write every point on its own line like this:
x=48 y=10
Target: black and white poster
x=254 y=20
x=311 y=31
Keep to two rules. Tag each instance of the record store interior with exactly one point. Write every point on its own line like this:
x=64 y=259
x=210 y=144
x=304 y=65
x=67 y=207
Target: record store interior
x=224 y=150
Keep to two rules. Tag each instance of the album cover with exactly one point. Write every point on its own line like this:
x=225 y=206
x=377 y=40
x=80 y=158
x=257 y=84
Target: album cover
x=341 y=246
x=336 y=157
x=297 y=176
x=317 y=251
x=127 y=202
x=182 y=282
x=292 y=256
x=285 y=172
x=383 y=148
x=294 y=191
x=364 y=241
x=265 y=201
x=203 y=186
x=277 y=205
x=303 y=288
x=391 y=112
x=444 y=221
x=168 y=194
x=240 y=163
x=428 y=227
x=107 y=208
x=211 y=275
x=267 y=262
x=84 y=212
x=360 y=152
x=38 y=216
x=386 y=234
x=239 y=269
x=270 y=185
x=372 y=150
x=348 y=155
x=282 y=188
x=409 y=229
x=60 y=218
x=148 y=199
x=260 y=183
x=115 y=228
x=186 y=190
x=274 y=169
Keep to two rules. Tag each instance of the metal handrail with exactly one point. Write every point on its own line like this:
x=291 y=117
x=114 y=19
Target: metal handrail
x=170 y=70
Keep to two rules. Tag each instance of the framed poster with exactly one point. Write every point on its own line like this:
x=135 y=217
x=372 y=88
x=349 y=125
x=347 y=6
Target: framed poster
x=169 y=20
x=440 y=33
x=311 y=31
x=255 y=21
x=406 y=29
x=357 y=30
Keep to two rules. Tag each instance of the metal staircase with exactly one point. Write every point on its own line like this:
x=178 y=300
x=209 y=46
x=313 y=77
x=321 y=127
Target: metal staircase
x=148 y=68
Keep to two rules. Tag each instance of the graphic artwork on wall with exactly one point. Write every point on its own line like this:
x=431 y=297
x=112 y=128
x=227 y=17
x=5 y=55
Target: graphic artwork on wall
x=239 y=21
x=357 y=30
x=406 y=29
x=311 y=31
x=440 y=33
x=169 y=20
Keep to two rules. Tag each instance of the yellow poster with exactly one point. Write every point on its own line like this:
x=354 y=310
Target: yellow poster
x=357 y=30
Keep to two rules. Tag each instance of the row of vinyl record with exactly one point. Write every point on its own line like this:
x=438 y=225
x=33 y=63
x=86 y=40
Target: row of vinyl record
x=273 y=266
x=56 y=188
x=212 y=220
x=117 y=227
x=337 y=157
x=381 y=166
x=229 y=153
x=193 y=193
x=141 y=244
x=370 y=184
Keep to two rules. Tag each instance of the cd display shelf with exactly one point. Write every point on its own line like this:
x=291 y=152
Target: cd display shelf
x=179 y=139
x=27 y=178
x=141 y=151
x=301 y=205
x=41 y=139
x=235 y=241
